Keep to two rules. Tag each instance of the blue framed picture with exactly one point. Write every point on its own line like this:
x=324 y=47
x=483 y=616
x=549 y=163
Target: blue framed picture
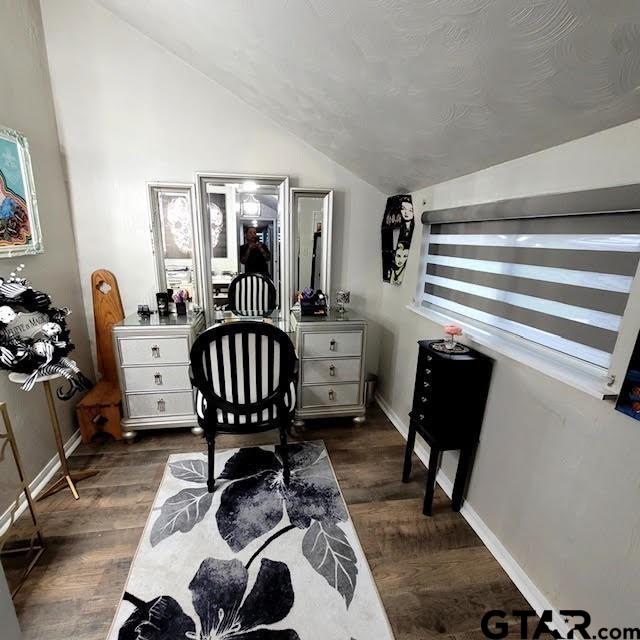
x=19 y=223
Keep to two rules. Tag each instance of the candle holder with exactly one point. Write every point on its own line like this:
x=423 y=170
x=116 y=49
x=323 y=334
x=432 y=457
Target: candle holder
x=342 y=298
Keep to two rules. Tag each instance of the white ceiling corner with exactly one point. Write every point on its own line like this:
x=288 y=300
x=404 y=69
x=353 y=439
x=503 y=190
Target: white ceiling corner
x=407 y=93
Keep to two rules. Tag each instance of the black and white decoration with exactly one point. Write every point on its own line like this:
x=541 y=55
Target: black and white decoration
x=34 y=336
x=396 y=232
x=255 y=560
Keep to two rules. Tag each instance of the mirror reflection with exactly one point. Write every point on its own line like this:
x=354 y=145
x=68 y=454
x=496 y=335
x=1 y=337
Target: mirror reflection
x=172 y=224
x=241 y=217
x=311 y=211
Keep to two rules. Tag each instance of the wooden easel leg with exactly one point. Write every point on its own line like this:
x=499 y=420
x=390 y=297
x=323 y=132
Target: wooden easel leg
x=67 y=478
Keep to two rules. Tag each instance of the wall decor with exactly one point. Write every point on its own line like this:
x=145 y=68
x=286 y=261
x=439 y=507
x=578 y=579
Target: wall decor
x=19 y=222
x=397 y=230
x=34 y=337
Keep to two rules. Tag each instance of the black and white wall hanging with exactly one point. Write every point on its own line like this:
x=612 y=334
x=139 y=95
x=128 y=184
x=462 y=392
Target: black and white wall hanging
x=396 y=230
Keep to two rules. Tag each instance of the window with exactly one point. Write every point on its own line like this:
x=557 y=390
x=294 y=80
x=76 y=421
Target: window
x=561 y=281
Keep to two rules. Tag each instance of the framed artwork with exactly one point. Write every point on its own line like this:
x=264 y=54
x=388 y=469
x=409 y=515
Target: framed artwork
x=19 y=223
x=396 y=230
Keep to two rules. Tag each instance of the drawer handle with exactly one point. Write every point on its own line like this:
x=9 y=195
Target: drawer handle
x=332 y=370
x=155 y=351
x=162 y=407
x=332 y=345
x=157 y=378
x=332 y=394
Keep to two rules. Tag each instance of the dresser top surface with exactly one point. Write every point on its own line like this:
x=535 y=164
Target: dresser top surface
x=333 y=315
x=154 y=320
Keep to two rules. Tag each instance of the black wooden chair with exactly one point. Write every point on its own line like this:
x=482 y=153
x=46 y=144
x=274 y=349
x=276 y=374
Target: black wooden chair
x=245 y=374
x=252 y=293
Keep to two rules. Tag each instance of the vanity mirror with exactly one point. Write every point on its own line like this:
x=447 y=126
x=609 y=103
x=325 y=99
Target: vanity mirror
x=311 y=219
x=240 y=228
x=172 y=222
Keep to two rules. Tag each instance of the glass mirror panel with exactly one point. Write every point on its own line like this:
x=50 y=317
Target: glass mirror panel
x=240 y=221
x=173 y=240
x=311 y=218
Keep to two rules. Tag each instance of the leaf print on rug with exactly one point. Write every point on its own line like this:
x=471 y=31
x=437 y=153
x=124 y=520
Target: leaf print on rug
x=218 y=591
x=326 y=547
x=253 y=504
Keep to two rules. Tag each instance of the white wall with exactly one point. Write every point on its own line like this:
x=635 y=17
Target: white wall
x=129 y=112
x=26 y=104
x=556 y=477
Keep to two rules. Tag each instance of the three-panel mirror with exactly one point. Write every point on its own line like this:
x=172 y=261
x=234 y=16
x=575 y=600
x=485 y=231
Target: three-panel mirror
x=241 y=224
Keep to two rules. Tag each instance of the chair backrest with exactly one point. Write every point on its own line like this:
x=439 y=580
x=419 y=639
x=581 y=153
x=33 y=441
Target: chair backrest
x=252 y=293
x=244 y=371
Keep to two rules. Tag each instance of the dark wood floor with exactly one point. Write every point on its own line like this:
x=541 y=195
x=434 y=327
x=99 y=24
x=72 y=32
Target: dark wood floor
x=435 y=576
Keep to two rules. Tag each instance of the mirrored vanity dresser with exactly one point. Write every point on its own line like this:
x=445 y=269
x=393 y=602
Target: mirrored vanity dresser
x=331 y=351
x=153 y=359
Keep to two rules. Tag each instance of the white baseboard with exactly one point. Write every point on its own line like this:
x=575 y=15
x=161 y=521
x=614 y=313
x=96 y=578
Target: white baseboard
x=525 y=585
x=38 y=484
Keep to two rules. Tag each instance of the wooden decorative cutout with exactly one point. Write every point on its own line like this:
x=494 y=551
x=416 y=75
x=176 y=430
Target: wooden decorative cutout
x=99 y=410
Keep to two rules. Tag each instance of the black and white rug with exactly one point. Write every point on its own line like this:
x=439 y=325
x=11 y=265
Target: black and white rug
x=255 y=560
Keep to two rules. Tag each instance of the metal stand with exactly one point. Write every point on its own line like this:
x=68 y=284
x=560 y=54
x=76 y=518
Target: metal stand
x=67 y=479
x=36 y=542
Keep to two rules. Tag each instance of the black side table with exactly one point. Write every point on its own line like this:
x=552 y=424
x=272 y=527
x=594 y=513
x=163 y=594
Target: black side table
x=449 y=398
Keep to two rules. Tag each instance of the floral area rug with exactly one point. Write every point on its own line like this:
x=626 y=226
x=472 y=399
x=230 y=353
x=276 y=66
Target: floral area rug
x=255 y=560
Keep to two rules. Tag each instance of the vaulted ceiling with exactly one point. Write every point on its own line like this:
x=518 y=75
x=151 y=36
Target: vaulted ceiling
x=407 y=93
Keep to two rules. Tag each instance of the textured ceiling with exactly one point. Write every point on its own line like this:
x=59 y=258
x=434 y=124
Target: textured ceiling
x=407 y=93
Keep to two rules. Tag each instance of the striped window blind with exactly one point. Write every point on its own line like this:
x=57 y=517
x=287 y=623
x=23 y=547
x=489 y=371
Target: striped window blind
x=560 y=281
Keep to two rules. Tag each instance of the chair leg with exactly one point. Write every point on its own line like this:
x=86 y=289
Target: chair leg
x=284 y=446
x=211 y=455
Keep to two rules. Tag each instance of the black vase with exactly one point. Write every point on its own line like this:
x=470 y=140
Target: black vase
x=181 y=308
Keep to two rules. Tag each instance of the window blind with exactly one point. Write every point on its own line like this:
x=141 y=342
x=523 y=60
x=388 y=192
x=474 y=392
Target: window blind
x=560 y=281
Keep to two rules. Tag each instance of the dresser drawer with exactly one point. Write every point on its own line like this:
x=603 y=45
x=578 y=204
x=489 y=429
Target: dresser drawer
x=156 y=378
x=154 y=350
x=331 y=371
x=327 y=395
x=331 y=345
x=142 y=405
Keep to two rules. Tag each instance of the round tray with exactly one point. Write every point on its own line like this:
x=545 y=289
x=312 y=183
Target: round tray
x=442 y=346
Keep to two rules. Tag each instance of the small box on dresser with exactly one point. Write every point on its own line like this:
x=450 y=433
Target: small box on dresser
x=153 y=358
x=449 y=398
x=332 y=351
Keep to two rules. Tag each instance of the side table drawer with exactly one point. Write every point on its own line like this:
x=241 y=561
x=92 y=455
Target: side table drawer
x=158 y=405
x=154 y=350
x=332 y=345
x=327 y=395
x=171 y=377
x=331 y=371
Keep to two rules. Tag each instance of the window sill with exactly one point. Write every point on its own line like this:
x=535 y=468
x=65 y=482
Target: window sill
x=575 y=373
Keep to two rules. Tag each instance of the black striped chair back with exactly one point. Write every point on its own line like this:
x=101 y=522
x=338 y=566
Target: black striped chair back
x=252 y=293
x=245 y=374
